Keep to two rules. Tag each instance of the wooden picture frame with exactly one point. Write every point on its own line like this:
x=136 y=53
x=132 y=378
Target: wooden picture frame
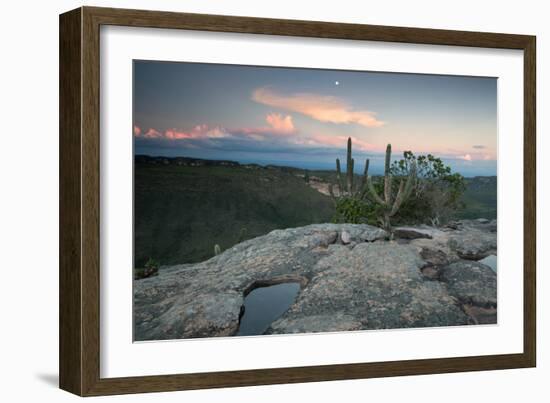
x=79 y=346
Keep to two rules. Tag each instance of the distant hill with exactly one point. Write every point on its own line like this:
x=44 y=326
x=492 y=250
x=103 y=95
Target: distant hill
x=480 y=198
x=184 y=206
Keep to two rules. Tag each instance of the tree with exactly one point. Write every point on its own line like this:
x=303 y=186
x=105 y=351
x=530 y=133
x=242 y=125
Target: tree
x=437 y=193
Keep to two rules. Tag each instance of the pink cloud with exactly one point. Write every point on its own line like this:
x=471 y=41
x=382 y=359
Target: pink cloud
x=280 y=124
x=199 y=131
x=151 y=134
x=277 y=124
x=324 y=108
x=174 y=134
x=466 y=157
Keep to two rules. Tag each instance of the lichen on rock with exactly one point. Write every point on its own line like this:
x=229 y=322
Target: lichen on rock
x=366 y=282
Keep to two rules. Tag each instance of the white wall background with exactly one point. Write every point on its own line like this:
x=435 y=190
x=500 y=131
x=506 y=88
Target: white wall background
x=29 y=199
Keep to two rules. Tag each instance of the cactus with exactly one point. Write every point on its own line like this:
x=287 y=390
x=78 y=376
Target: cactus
x=391 y=205
x=348 y=188
x=243 y=234
x=217 y=249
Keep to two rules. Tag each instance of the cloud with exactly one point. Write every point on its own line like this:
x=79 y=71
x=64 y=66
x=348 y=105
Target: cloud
x=280 y=124
x=479 y=147
x=151 y=134
x=465 y=157
x=277 y=125
x=324 y=108
x=197 y=132
x=279 y=133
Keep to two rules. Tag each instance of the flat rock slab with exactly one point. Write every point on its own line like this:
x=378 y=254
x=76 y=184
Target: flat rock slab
x=368 y=283
x=472 y=283
x=378 y=285
x=205 y=299
x=473 y=243
x=413 y=232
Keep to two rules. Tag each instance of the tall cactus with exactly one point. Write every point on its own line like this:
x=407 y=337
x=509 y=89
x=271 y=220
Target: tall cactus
x=391 y=205
x=347 y=187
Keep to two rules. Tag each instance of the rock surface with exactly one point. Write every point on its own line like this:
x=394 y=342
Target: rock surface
x=345 y=237
x=413 y=232
x=366 y=282
x=472 y=283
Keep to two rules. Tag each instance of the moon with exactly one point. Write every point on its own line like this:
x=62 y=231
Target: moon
x=337 y=83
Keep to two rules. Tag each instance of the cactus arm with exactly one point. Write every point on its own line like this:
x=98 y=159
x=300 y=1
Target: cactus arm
x=404 y=190
x=366 y=172
x=352 y=177
x=363 y=187
x=410 y=180
x=387 y=176
x=373 y=194
x=387 y=188
x=349 y=168
x=339 y=177
x=399 y=198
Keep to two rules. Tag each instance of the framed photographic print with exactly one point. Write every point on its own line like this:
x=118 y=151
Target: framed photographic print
x=251 y=201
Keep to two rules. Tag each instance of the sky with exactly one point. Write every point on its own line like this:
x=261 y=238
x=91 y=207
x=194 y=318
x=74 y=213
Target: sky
x=303 y=117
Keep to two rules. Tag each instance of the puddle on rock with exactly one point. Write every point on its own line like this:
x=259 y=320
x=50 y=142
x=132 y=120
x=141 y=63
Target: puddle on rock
x=263 y=305
x=490 y=261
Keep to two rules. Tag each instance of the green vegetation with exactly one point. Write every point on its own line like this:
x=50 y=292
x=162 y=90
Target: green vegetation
x=349 y=198
x=437 y=194
x=182 y=211
x=480 y=198
x=361 y=203
x=428 y=192
x=151 y=268
x=243 y=235
x=183 y=208
x=390 y=204
x=352 y=210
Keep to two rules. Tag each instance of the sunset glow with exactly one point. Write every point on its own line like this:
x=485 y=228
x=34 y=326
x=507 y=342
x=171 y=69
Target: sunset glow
x=303 y=117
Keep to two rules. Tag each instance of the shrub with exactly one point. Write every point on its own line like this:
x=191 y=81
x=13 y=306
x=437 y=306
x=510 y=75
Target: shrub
x=365 y=202
x=353 y=211
x=436 y=196
x=151 y=268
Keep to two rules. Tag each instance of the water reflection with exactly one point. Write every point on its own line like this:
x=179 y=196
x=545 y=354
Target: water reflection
x=490 y=261
x=264 y=305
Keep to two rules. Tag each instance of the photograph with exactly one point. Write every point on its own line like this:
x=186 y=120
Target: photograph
x=261 y=202
x=276 y=201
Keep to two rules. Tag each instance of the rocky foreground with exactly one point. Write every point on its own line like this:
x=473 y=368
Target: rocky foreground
x=351 y=278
